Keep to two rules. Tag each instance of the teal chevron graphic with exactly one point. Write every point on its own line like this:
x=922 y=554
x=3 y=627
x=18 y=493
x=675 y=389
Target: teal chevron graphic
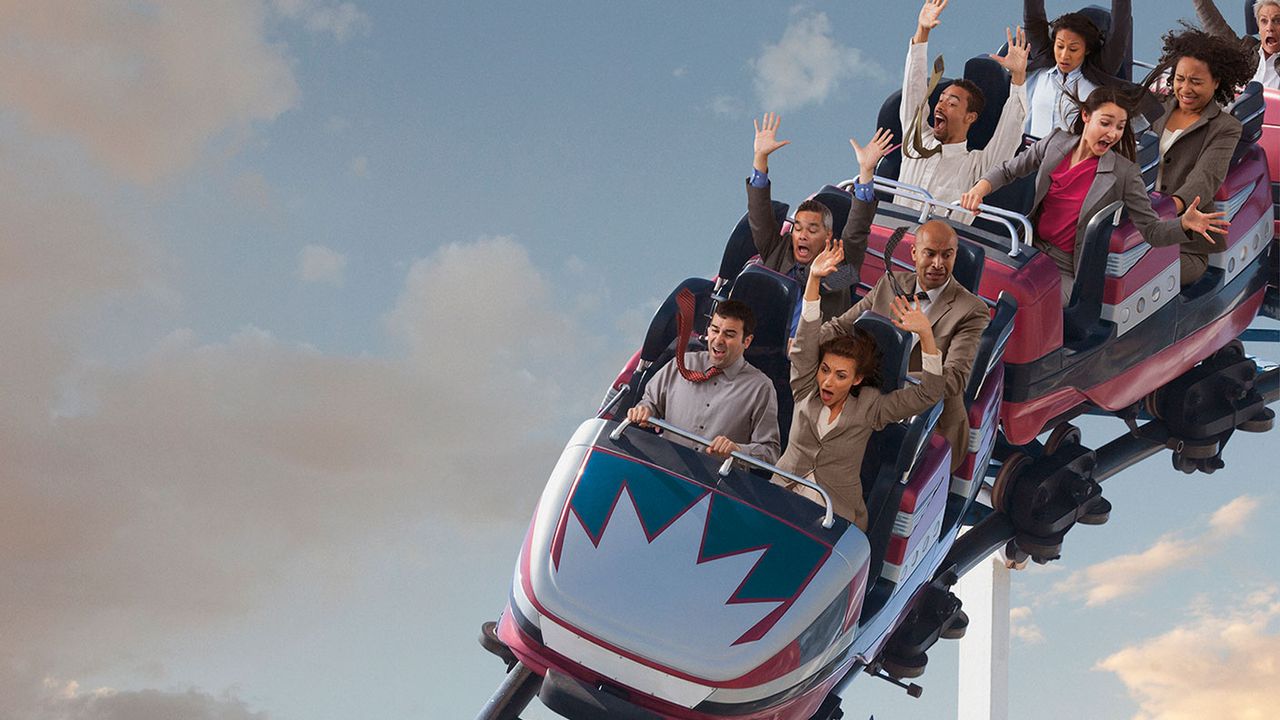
x=732 y=526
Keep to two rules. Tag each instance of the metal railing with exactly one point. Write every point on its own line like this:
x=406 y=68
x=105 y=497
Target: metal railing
x=922 y=196
x=726 y=467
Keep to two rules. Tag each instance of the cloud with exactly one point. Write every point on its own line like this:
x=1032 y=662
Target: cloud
x=143 y=86
x=1214 y=665
x=319 y=264
x=360 y=166
x=1022 y=627
x=107 y=704
x=807 y=65
x=726 y=105
x=341 y=20
x=193 y=479
x=1125 y=575
x=680 y=72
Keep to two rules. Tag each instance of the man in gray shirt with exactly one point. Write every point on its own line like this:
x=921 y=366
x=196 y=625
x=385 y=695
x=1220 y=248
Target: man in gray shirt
x=717 y=393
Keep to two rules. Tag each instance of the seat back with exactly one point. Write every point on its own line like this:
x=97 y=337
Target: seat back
x=1148 y=158
x=659 y=341
x=1083 y=313
x=991 y=346
x=970 y=259
x=741 y=248
x=772 y=297
x=1249 y=107
x=1250 y=20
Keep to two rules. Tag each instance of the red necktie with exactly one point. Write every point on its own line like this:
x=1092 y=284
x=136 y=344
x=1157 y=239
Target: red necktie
x=684 y=330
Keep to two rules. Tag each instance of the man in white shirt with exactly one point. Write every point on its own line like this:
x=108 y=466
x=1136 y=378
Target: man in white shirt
x=935 y=154
x=1267 y=13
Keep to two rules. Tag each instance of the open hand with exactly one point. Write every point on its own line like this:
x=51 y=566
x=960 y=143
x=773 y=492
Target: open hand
x=930 y=13
x=908 y=316
x=828 y=260
x=1204 y=223
x=869 y=155
x=1015 y=59
x=767 y=135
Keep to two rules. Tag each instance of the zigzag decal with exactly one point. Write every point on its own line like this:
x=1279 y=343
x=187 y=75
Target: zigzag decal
x=790 y=557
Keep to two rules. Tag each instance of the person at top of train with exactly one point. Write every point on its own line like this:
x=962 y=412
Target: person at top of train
x=1201 y=73
x=1078 y=173
x=1266 y=46
x=791 y=254
x=1070 y=55
x=838 y=401
x=956 y=316
x=935 y=153
x=717 y=393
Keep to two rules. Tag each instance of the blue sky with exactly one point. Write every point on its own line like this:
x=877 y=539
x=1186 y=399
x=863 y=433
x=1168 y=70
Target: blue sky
x=302 y=297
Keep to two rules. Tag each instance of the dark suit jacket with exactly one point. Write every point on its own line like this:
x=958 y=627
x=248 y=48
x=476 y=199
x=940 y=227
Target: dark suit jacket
x=1103 y=70
x=957 y=329
x=836 y=458
x=1118 y=178
x=776 y=254
x=1214 y=24
x=1195 y=165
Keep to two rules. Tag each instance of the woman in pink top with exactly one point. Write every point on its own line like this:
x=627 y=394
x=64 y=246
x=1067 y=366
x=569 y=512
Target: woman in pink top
x=1077 y=175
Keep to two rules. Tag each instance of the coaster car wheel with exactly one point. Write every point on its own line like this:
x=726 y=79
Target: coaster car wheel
x=1063 y=434
x=1002 y=488
x=912 y=667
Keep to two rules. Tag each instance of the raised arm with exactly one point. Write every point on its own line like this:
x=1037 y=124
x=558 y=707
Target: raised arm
x=1037 y=25
x=1120 y=39
x=915 y=80
x=1008 y=134
x=1211 y=19
x=857 y=226
x=804 y=349
x=764 y=226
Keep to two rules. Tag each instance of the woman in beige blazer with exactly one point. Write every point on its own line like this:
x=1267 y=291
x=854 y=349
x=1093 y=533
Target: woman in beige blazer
x=1102 y=126
x=1201 y=73
x=838 y=405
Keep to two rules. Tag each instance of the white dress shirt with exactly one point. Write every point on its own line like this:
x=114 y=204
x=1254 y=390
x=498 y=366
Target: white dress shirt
x=1049 y=105
x=1267 y=74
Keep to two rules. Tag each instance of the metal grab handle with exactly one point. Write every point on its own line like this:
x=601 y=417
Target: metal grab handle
x=827 y=520
x=920 y=195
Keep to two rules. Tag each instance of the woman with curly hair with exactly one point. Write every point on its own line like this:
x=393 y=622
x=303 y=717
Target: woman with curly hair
x=1201 y=73
x=1070 y=57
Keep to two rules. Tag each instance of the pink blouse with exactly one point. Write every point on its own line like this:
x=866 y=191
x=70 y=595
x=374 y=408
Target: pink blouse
x=1060 y=209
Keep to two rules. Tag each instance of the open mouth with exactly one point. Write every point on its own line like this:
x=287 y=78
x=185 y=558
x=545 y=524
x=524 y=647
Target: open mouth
x=1271 y=43
x=826 y=395
x=803 y=253
x=1102 y=146
x=717 y=354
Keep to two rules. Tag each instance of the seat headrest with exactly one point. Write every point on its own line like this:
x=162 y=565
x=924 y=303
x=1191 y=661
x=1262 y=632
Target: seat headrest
x=1249 y=108
x=771 y=297
x=894 y=346
x=838 y=202
x=970 y=258
x=662 y=329
x=740 y=248
x=1250 y=20
x=994 y=82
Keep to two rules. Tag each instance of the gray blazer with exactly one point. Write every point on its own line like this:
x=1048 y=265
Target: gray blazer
x=1197 y=162
x=1118 y=178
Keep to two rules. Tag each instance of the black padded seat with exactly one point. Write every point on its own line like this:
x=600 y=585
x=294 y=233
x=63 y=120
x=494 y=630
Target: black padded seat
x=970 y=259
x=1148 y=154
x=659 y=341
x=1249 y=108
x=1250 y=20
x=741 y=248
x=991 y=347
x=1081 y=319
x=772 y=297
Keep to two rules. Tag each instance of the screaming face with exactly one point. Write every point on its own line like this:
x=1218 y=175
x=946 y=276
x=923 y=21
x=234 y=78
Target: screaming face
x=1103 y=128
x=1193 y=84
x=809 y=236
x=836 y=377
x=726 y=341
x=951 y=116
x=1269 y=29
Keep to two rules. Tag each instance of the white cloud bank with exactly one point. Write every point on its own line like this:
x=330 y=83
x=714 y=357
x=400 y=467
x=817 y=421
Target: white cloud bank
x=1222 y=665
x=1126 y=575
x=807 y=65
x=319 y=264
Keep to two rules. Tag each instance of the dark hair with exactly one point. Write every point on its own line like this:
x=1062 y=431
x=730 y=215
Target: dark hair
x=1080 y=24
x=817 y=207
x=1229 y=61
x=859 y=347
x=738 y=310
x=977 y=100
x=1128 y=100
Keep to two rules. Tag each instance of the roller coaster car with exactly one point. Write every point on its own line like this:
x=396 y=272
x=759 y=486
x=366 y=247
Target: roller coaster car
x=657 y=582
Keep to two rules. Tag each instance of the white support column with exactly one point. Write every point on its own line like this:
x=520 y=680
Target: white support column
x=984 y=650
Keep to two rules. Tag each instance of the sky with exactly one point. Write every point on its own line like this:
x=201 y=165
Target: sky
x=301 y=299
